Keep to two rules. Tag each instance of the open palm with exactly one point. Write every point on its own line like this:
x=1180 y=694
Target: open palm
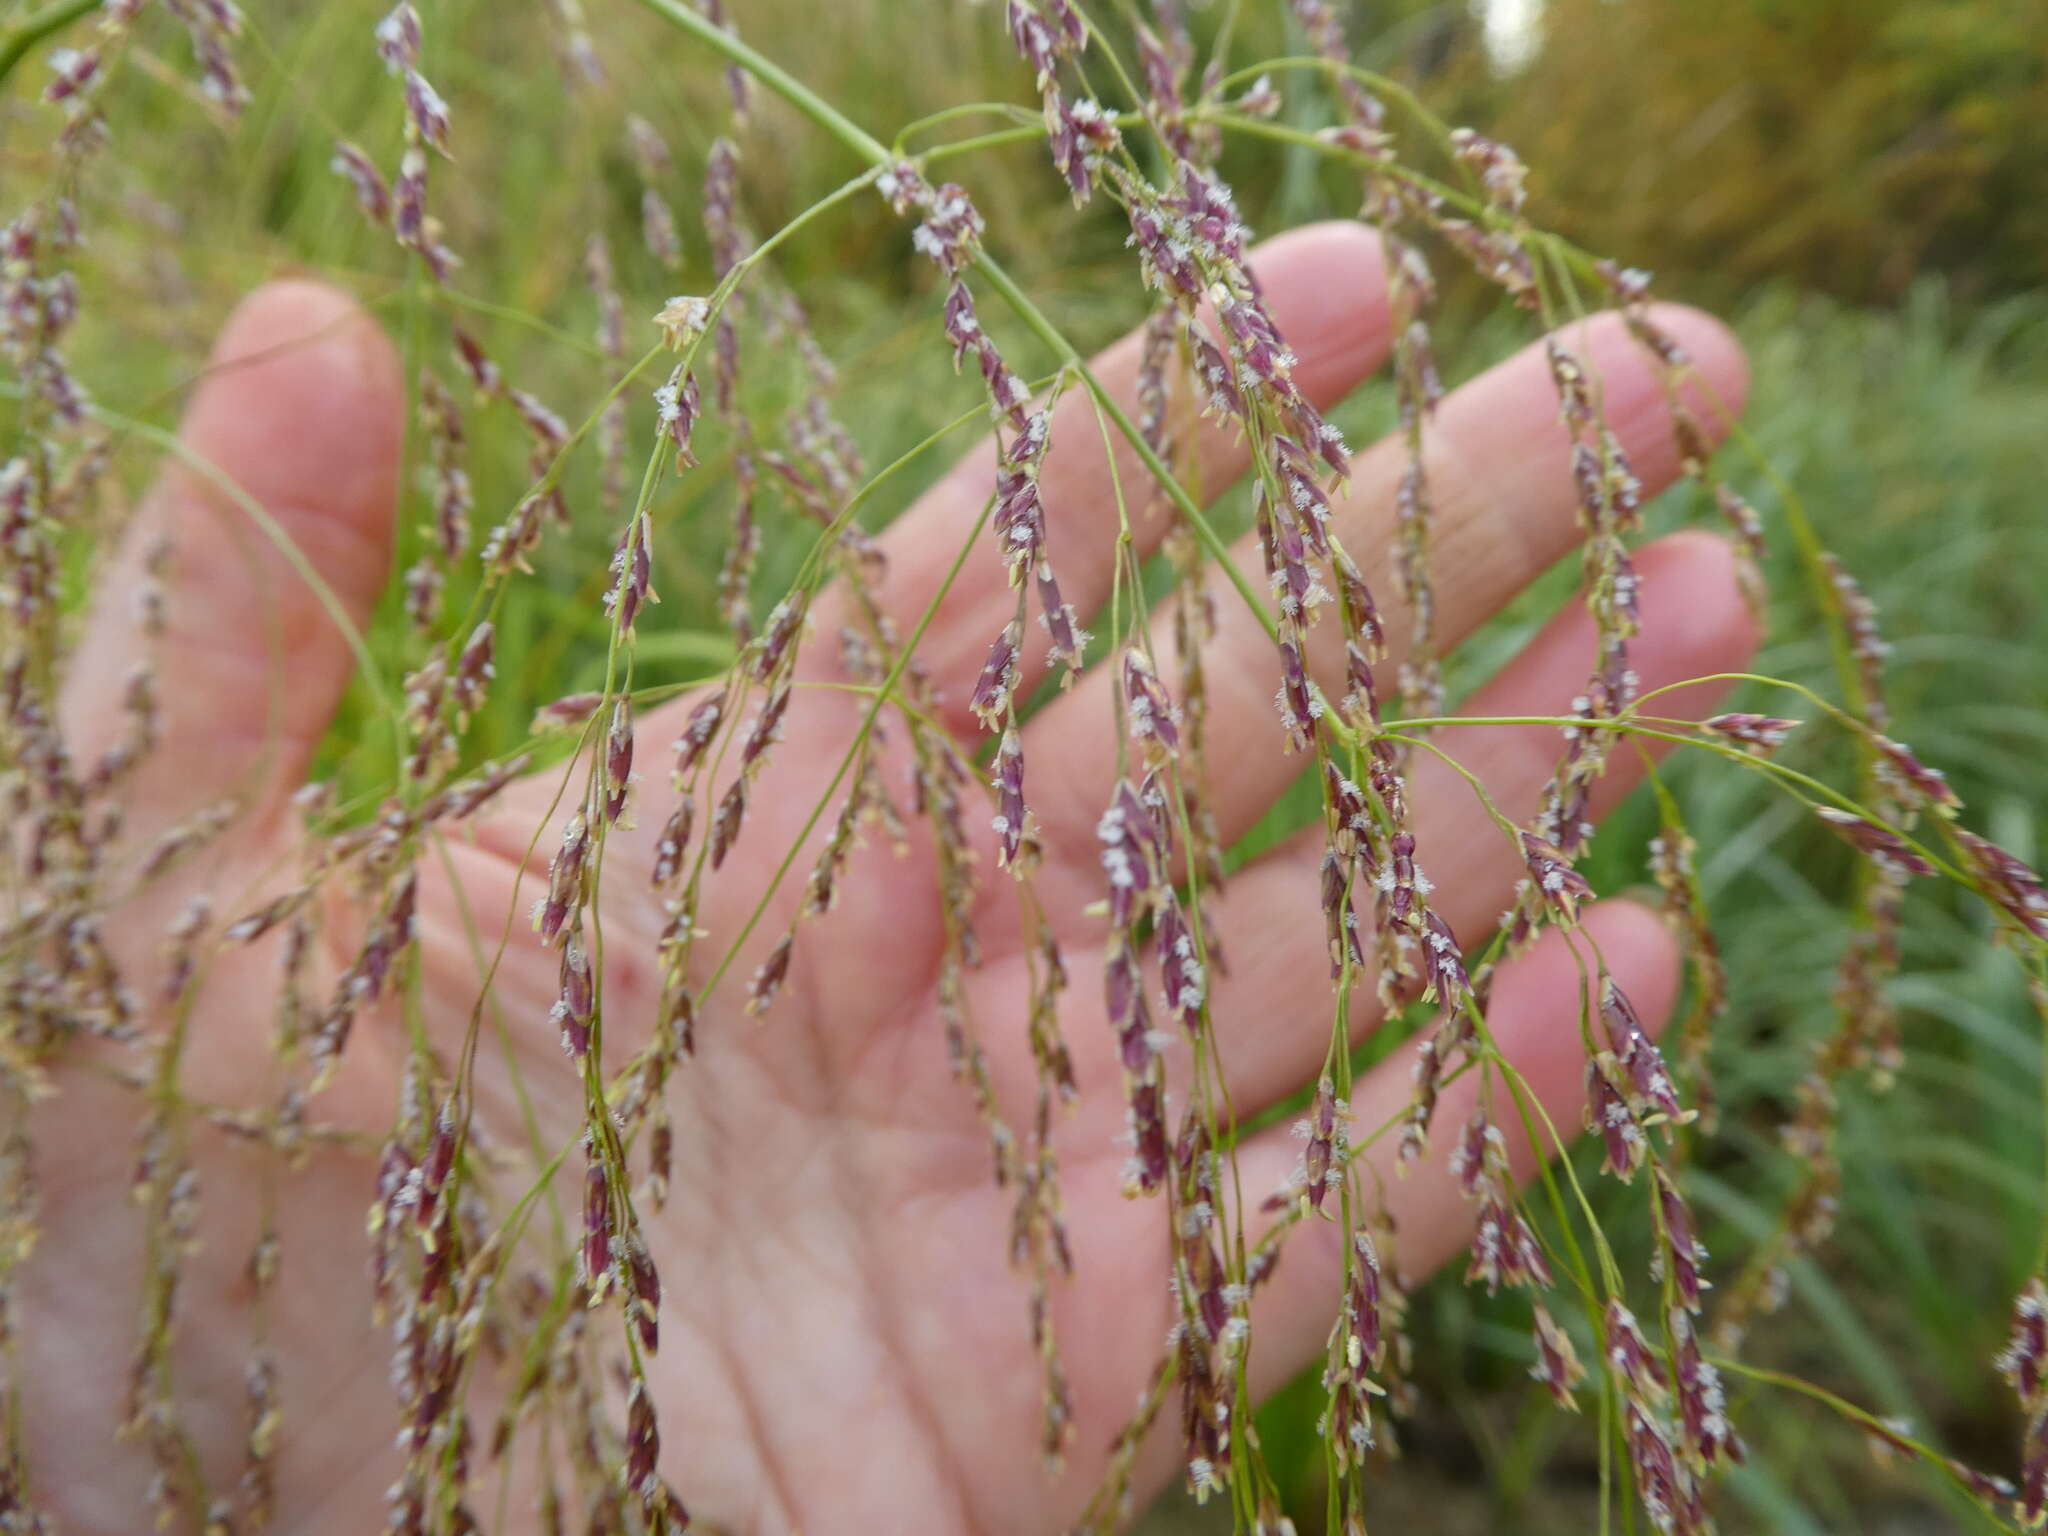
x=843 y=1343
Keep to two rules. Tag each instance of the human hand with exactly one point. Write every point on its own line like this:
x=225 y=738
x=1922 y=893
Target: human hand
x=843 y=1344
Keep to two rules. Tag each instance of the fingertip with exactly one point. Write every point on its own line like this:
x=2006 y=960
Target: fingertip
x=299 y=325
x=286 y=308
x=1325 y=285
x=1719 y=387
x=303 y=405
x=1539 y=993
x=280 y=497
x=1339 y=247
x=1635 y=388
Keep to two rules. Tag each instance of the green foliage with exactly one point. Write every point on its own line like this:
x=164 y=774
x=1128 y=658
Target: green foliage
x=1849 y=145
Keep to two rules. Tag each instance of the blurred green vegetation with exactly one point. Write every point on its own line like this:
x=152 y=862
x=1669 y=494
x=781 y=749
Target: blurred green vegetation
x=1850 y=146
x=1866 y=149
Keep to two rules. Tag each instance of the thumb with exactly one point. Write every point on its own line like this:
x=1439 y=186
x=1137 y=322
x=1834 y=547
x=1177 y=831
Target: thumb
x=302 y=409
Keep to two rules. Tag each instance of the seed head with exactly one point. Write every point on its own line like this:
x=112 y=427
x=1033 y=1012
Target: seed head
x=597 y=1226
x=1558 y=885
x=1557 y=1362
x=769 y=976
x=951 y=232
x=1894 y=858
x=398 y=38
x=565 y=879
x=72 y=72
x=426 y=113
x=701 y=727
x=1609 y=1117
x=1153 y=717
x=1762 y=734
x=618 y=758
x=682 y=320
x=2008 y=882
x=726 y=820
x=2024 y=1361
x=1912 y=780
x=356 y=167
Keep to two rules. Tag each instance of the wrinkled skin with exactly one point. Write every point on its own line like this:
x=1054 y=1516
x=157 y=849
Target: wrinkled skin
x=843 y=1344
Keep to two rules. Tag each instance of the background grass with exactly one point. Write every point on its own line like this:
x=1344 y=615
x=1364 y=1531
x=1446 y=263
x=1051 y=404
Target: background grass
x=1914 y=434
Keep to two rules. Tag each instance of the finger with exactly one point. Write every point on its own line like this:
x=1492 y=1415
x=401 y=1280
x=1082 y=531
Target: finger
x=302 y=408
x=1498 y=462
x=1534 y=1019
x=1326 y=288
x=1697 y=623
